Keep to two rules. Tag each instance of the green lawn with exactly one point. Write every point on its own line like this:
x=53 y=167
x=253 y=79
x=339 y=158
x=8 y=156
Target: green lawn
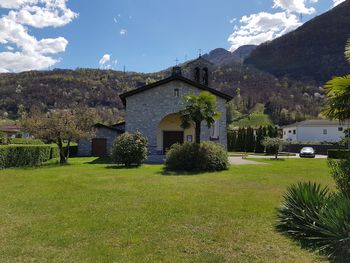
x=93 y=213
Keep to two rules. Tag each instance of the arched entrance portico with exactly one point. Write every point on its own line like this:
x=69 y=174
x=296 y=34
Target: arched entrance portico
x=170 y=132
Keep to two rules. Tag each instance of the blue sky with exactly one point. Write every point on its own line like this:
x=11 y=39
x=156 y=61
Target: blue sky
x=144 y=36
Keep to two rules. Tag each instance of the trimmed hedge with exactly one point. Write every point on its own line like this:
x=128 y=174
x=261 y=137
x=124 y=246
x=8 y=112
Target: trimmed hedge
x=27 y=141
x=207 y=156
x=24 y=155
x=339 y=154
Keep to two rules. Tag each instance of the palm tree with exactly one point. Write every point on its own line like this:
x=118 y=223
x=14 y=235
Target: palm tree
x=197 y=109
x=338 y=93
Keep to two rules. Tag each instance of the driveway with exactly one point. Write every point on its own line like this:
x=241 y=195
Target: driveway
x=318 y=156
x=240 y=161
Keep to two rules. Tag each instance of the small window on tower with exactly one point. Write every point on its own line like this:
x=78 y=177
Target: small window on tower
x=176 y=93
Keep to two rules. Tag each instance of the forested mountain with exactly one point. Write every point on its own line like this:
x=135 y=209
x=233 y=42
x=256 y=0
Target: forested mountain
x=313 y=51
x=285 y=99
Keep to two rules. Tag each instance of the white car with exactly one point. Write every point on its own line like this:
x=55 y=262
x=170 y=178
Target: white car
x=307 y=152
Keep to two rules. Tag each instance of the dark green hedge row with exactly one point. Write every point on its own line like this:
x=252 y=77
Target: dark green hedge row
x=24 y=155
x=338 y=153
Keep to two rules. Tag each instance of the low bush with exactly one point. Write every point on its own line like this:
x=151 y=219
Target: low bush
x=129 y=149
x=338 y=153
x=340 y=171
x=23 y=155
x=318 y=219
x=207 y=156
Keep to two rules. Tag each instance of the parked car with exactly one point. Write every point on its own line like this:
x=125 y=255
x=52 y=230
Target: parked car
x=307 y=152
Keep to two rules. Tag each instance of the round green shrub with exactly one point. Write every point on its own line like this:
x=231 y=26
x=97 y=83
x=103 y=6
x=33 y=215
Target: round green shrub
x=129 y=149
x=207 y=156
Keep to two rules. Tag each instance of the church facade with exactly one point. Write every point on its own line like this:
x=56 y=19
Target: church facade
x=152 y=109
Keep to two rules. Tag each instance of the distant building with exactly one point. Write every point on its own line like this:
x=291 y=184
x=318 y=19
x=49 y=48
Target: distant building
x=101 y=144
x=13 y=131
x=314 y=131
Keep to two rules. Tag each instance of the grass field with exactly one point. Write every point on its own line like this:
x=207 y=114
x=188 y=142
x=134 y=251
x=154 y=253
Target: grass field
x=88 y=212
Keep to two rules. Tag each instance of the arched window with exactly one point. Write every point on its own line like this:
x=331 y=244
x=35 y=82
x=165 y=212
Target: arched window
x=197 y=74
x=205 y=76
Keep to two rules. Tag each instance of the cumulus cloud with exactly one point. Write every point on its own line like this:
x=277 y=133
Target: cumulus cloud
x=32 y=53
x=261 y=27
x=106 y=58
x=257 y=28
x=337 y=2
x=295 y=6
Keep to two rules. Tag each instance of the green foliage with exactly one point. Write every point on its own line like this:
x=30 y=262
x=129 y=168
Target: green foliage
x=24 y=155
x=3 y=138
x=338 y=153
x=338 y=93
x=340 y=170
x=317 y=219
x=197 y=109
x=129 y=149
x=253 y=120
x=28 y=141
x=274 y=144
x=207 y=156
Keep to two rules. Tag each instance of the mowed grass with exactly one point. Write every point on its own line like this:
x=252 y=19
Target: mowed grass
x=93 y=213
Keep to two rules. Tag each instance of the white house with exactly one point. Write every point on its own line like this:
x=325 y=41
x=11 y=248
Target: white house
x=314 y=131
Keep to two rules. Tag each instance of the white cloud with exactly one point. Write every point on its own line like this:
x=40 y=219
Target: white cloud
x=295 y=6
x=123 y=32
x=261 y=27
x=337 y=2
x=104 y=60
x=257 y=28
x=32 y=53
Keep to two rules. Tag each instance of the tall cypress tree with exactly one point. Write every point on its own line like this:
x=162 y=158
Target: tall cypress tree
x=260 y=135
x=250 y=140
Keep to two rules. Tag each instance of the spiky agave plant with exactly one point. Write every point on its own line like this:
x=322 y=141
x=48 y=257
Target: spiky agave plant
x=318 y=219
x=300 y=210
x=331 y=232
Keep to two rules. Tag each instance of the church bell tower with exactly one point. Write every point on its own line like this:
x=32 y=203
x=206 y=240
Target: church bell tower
x=199 y=70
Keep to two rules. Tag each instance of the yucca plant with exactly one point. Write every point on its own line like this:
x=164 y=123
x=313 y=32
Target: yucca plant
x=331 y=232
x=317 y=219
x=300 y=210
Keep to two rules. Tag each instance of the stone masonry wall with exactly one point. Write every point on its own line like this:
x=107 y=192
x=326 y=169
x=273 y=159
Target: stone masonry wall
x=145 y=110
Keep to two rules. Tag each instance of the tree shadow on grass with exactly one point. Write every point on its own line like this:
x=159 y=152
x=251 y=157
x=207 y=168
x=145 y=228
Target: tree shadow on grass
x=101 y=160
x=167 y=172
x=122 y=167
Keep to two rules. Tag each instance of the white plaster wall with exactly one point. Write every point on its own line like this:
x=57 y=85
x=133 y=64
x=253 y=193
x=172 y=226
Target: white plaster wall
x=314 y=134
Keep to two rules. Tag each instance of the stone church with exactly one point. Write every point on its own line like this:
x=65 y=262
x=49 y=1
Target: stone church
x=152 y=110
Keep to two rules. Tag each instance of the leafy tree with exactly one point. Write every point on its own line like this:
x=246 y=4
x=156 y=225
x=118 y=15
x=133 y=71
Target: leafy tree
x=63 y=126
x=198 y=109
x=275 y=144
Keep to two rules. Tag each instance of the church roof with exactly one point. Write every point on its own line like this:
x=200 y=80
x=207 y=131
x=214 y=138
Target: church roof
x=173 y=78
